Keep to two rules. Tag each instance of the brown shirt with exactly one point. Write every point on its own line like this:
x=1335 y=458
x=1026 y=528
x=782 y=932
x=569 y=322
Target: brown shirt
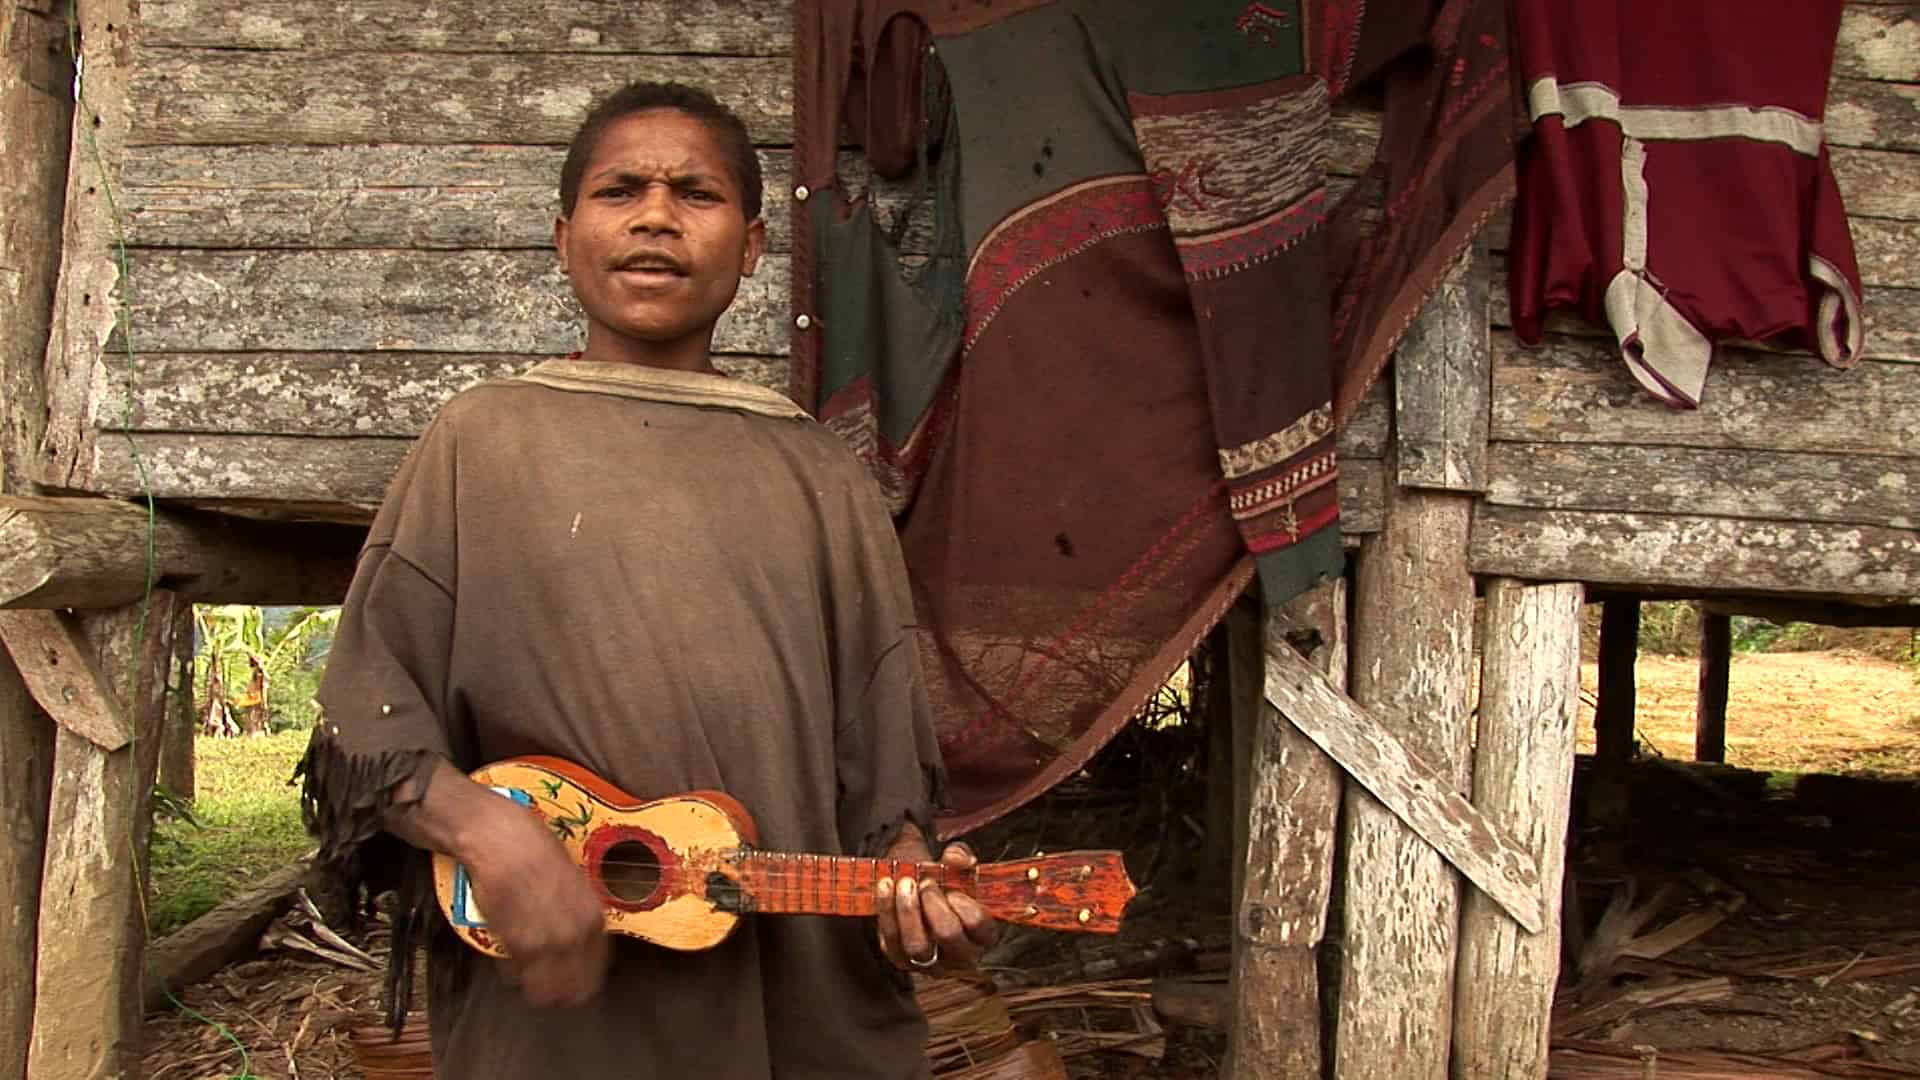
x=679 y=582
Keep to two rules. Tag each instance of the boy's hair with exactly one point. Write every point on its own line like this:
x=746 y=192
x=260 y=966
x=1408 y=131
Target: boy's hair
x=638 y=97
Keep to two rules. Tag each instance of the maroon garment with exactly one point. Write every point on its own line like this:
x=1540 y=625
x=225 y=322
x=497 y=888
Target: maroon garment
x=1677 y=185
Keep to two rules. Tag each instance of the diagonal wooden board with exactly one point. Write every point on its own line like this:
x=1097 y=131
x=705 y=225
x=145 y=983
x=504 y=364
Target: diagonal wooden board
x=1403 y=783
x=59 y=670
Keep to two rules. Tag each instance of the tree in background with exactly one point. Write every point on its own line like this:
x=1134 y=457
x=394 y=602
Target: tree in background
x=257 y=667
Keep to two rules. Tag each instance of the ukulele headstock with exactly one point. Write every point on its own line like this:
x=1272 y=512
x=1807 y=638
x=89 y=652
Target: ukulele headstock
x=1074 y=890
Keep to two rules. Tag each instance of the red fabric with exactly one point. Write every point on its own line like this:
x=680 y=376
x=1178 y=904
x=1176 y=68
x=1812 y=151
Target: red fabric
x=1736 y=225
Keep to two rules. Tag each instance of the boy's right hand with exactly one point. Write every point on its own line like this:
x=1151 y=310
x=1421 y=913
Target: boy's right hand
x=538 y=901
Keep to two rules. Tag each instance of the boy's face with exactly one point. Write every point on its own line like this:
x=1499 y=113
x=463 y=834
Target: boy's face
x=657 y=240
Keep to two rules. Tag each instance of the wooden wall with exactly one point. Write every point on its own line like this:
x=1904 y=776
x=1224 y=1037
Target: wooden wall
x=338 y=215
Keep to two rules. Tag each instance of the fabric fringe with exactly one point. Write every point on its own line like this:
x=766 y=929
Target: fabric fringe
x=345 y=801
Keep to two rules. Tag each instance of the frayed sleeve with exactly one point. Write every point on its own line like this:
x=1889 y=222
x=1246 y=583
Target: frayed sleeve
x=884 y=747
x=384 y=696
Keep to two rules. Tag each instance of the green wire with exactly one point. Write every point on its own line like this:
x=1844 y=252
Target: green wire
x=123 y=322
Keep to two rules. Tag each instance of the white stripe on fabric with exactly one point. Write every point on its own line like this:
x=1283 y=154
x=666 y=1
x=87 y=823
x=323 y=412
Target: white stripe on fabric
x=1576 y=103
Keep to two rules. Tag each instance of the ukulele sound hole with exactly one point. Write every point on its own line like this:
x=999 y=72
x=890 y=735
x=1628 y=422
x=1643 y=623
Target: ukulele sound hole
x=630 y=872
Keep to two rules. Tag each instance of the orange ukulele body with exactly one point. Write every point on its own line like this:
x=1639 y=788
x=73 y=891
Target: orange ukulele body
x=681 y=871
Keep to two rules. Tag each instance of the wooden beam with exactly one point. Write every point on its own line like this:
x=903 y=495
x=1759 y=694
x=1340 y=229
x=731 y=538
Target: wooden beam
x=175 y=772
x=87 y=981
x=1716 y=661
x=1826 y=614
x=1522 y=782
x=56 y=660
x=93 y=553
x=1441 y=415
x=1614 y=711
x=1406 y=786
x=1293 y=814
x=1697 y=554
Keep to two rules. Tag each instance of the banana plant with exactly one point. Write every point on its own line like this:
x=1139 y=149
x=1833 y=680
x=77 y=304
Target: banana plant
x=241 y=659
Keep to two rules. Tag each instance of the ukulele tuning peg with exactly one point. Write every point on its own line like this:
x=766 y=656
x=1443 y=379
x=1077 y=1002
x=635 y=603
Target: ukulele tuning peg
x=1033 y=873
x=1086 y=915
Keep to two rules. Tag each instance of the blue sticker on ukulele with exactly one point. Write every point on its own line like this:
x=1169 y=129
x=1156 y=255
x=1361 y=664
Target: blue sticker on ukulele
x=466 y=911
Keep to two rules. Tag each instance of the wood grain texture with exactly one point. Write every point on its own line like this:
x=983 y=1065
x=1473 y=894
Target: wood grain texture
x=444 y=301
x=1407 y=786
x=36 y=117
x=392 y=196
x=1574 y=390
x=1702 y=555
x=57 y=663
x=1440 y=385
x=1878 y=41
x=26 y=778
x=247 y=97
x=92 y=936
x=1293 y=815
x=1838 y=488
x=89 y=298
x=687 y=27
x=93 y=553
x=1522 y=782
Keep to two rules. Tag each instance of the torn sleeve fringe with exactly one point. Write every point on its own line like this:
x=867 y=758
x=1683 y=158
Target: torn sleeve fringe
x=345 y=799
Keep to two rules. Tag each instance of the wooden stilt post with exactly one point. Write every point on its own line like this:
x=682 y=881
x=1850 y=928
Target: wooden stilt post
x=1412 y=669
x=87 y=981
x=1716 y=663
x=36 y=121
x=26 y=771
x=1293 y=814
x=1221 y=857
x=1522 y=781
x=1614 y=711
x=176 y=742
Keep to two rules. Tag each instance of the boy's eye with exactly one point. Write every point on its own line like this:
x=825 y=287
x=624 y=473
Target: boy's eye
x=703 y=195
x=613 y=191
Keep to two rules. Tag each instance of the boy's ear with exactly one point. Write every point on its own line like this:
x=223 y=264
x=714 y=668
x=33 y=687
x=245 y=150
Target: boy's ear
x=756 y=246
x=560 y=226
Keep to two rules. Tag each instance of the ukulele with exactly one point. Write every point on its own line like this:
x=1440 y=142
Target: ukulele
x=681 y=871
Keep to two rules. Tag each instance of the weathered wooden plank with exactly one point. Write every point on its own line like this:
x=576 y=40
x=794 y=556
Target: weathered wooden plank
x=443 y=301
x=1878 y=183
x=1906 y=613
x=339 y=474
x=343 y=479
x=1839 y=488
x=176 y=768
x=1408 y=786
x=26 y=776
x=93 y=553
x=223 y=96
x=92 y=936
x=446 y=197
x=1878 y=41
x=1522 y=782
x=1440 y=385
x=354 y=394
x=1870 y=113
x=687 y=27
x=1577 y=390
x=36 y=117
x=1293 y=817
x=1885 y=251
x=88 y=299
x=54 y=659
x=1697 y=554
x=1370 y=426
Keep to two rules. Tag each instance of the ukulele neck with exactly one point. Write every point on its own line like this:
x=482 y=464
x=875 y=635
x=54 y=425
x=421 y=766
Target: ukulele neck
x=782 y=884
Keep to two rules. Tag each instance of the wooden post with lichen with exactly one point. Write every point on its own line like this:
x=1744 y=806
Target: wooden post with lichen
x=1413 y=639
x=1522 y=781
x=1716 y=664
x=36 y=117
x=1292 y=811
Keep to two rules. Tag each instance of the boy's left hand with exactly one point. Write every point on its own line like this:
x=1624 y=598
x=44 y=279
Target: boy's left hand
x=923 y=927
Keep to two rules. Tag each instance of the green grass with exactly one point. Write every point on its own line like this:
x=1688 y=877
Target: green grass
x=245 y=826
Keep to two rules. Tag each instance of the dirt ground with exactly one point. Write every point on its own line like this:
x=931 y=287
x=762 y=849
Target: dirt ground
x=1763 y=923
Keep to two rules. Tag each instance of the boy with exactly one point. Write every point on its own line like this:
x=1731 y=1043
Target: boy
x=678 y=581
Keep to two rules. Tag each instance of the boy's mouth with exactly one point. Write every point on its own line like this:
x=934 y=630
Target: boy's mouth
x=651 y=264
